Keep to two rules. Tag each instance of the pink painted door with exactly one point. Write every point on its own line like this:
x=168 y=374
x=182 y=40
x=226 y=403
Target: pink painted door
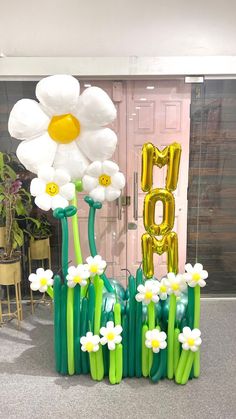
x=157 y=112
x=111 y=221
x=160 y=115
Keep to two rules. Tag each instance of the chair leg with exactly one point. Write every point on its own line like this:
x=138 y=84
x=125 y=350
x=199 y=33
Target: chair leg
x=8 y=301
x=17 y=304
x=20 y=301
x=0 y=311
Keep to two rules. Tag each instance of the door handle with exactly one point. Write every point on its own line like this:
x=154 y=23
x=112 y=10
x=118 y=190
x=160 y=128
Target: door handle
x=119 y=205
x=135 y=203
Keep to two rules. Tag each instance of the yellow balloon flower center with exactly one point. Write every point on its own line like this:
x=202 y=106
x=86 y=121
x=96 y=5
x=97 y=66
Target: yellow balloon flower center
x=175 y=287
x=104 y=180
x=196 y=276
x=163 y=288
x=89 y=346
x=77 y=279
x=64 y=128
x=52 y=188
x=190 y=341
x=155 y=343
x=148 y=295
x=110 y=336
x=94 y=269
x=43 y=282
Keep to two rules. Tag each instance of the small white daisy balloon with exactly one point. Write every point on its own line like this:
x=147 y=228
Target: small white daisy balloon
x=148 y=292
x=163 y=290
x=103 y=181
x=52 y=188
x=190 y=339
x=64 y=129
x=111 y=335
x=155 y=340
x=90 y=342
x=95 y=265
x=176 y=284
x=77 y=275
x=195 y=275
x=41 y=280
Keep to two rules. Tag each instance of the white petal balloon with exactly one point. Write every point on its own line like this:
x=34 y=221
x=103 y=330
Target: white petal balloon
x=64 y=130
x=103 y=181
x=52 y=188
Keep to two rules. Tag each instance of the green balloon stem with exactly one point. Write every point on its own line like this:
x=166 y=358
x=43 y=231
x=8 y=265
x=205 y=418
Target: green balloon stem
x=92 y=245
x=50 y=292
x=197 y=303
x=170 y=337
x=76 y=237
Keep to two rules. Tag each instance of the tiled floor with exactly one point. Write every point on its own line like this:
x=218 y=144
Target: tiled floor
x=30 y=388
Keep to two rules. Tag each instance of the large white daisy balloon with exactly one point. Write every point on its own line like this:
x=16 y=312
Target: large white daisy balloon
x=103 y=181
x=52 y=188
x=65 y=129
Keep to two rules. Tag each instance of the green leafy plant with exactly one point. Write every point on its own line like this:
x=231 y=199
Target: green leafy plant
x=15 y=205
x=38 y=229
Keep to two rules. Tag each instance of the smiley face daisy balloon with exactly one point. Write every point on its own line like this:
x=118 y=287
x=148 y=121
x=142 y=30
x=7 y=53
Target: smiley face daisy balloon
x=63 y=129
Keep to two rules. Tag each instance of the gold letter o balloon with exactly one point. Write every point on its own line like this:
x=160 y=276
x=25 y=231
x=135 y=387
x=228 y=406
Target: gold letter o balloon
x=167 y=198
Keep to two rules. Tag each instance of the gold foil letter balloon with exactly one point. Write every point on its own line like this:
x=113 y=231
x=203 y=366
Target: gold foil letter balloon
x=151 y=157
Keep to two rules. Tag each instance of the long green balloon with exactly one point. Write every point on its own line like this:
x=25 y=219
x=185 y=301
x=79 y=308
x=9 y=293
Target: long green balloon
x=131 y=348
x=145 y=366
x=77 y=325
x=75 y=228
x=70 y=330
x=92 y=244
x=84 y=329
x=125 y=326
x=118 y=349
x=138 y=326
x=181 y=366
x=64 y=360
x=197 y=296
x=57 y=321
x=98 y=285
x=170 y=337
x=105 y=348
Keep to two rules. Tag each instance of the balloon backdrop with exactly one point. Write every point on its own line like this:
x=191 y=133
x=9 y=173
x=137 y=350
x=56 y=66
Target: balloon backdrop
x=151 y=327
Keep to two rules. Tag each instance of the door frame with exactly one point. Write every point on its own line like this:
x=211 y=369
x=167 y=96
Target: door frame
x=33 y=68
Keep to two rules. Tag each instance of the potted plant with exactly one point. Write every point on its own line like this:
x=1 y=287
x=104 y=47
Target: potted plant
x=39 y=231
x=15 y=205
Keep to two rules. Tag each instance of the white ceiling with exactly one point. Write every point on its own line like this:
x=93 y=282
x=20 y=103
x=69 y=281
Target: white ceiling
x=89 y=28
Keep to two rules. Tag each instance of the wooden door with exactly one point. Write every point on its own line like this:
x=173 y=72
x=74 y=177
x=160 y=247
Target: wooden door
x=111 y=220
x=157 y=112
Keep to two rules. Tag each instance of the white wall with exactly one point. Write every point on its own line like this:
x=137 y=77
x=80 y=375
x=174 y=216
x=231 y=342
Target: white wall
x=117 y=28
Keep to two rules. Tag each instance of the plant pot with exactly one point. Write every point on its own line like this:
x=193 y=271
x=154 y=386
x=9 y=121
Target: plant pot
x=10 y=271
x=2 y=236
x=40 y=248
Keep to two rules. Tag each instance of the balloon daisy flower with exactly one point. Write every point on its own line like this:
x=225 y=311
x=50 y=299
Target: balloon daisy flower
x=176 y=284
x=155 y=340
x=52 y=188
x=111 y=335
x=64 y=129
x=163 y=290
x=95 y=266
x=41 y=280
x=148 y=292
x=190 y=339
x=77 y=275
x=195 y=275
x=90 y=342
x=103 y=181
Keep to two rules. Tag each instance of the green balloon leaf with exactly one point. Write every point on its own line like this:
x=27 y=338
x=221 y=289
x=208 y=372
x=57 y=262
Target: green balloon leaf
x=78 y=185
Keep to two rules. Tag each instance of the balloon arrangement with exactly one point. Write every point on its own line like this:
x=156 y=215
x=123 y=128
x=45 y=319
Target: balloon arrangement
x=150 y=329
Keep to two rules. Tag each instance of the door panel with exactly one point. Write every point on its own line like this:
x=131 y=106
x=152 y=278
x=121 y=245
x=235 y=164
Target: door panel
x=110 y=231
x=159 y=115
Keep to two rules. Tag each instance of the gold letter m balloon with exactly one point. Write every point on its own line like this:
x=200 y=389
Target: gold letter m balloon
x=168 y=242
